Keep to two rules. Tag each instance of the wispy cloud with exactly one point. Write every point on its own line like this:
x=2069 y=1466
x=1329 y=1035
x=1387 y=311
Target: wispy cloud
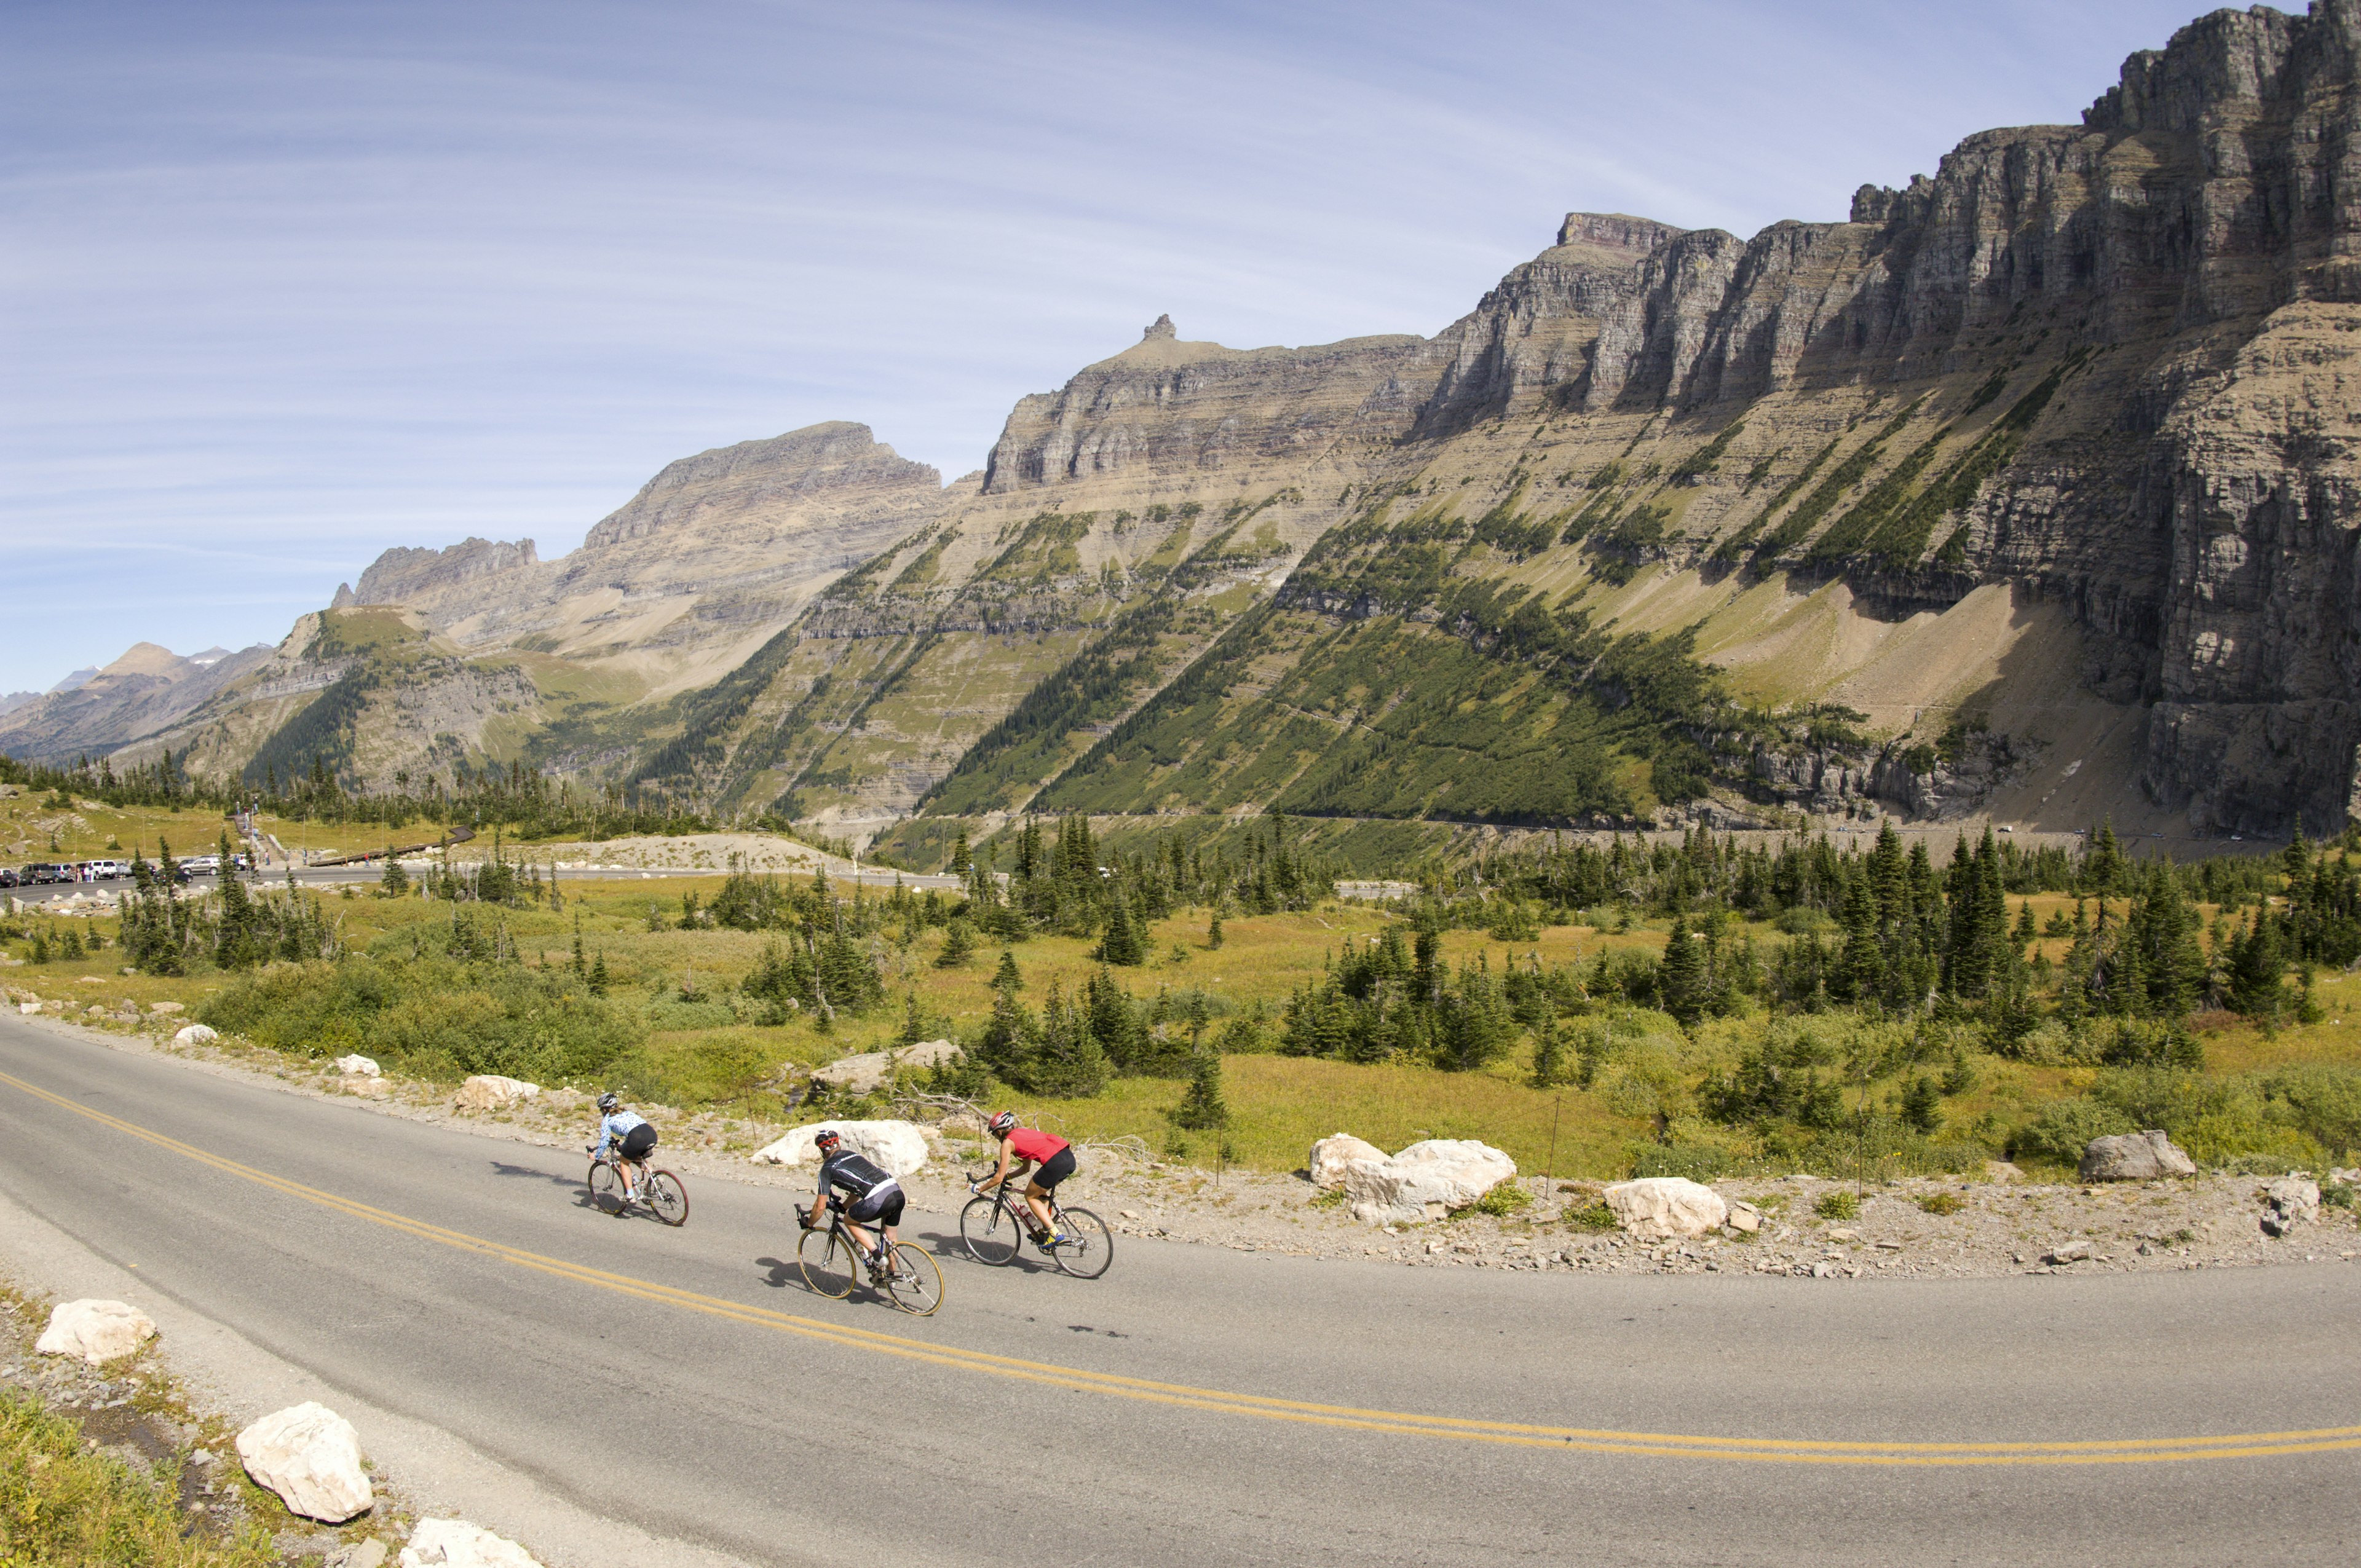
x=283 y=284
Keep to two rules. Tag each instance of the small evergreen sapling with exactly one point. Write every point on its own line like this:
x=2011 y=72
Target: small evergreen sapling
x=1202 y=1109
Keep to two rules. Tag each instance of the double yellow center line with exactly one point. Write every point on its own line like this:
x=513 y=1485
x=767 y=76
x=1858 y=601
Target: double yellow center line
x=1781 y=1451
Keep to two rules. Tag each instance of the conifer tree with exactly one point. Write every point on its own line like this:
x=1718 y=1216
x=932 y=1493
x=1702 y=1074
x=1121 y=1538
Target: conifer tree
x=1214 y=932
x=1549 y=1053
x=1122 y=944
x=598 y=982
x=1203 y=1108
x=959 y=943
x=963 y=862
x=1681 y=981
x=1068 y=1061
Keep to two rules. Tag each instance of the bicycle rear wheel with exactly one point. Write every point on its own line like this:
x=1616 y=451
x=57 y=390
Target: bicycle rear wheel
x=988 y=1234
x=830 y=1268
x=666 y=1197
x=917 y=1283
x=606 y=1188
x=1087 y=1247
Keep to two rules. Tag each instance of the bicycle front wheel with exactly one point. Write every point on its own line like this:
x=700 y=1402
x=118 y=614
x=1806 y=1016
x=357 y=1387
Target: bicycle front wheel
x=988 y=1234
x=606 y=1188
x=918 y=1284
x=826 y=1257
x=666 y=1197
x=1085 y=1245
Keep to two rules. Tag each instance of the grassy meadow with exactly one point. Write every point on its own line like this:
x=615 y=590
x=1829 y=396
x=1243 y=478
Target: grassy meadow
x=673 y=1028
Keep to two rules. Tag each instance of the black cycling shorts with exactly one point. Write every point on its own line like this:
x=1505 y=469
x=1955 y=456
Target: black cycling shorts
x=639 y=1143
x=883 y=1207
x=1054 y=1169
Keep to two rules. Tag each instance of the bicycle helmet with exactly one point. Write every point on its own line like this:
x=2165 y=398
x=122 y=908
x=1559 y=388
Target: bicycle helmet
x=607 y=1100
x=827 y=1138
x=1004 y=1124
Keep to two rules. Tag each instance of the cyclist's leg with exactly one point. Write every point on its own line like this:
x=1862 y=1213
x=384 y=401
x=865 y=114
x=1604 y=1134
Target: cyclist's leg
x=1036 y=1198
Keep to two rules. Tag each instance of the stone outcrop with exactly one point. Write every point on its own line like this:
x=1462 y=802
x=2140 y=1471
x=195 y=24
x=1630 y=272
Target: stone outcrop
x=311 y=1457
x=2134 y=1156
x=1332 y=1156
x=455 y=1543
x=95 y=1331
x=194 y=1034
x=1425 y=1180
x=358 y=1065
x=492 y=1091
x=1657 y=1207
x=871 y=1071
x=896 y=1147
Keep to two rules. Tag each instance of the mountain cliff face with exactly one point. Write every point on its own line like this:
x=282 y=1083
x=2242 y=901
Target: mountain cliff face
x=713 y=555
x=2027 y=488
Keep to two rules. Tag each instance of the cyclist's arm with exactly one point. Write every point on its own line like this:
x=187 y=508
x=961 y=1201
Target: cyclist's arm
x=1000 y=1173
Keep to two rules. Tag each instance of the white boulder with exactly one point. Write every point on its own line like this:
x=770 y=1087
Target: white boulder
x=1425 y=1180
x=1332 y=1154
x=195 y=1034
x=490 y=1091
x=312 y=1457
x=899 y=1147
x=1661 y=1206
x=455 y=1543
x=2134 y=1156
x=95 y=1331
x=356 y=1067
x=868 y=1071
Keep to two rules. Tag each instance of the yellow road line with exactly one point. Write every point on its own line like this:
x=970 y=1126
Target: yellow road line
x=1786 y=1450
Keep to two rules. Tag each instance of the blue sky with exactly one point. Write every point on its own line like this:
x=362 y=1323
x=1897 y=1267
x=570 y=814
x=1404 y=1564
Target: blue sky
x=282 y=285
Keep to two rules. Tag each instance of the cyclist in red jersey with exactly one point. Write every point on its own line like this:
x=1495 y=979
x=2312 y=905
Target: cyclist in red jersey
x=1052 y=1159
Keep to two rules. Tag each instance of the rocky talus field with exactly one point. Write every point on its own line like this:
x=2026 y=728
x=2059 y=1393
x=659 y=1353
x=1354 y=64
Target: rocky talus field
x=2036 y=473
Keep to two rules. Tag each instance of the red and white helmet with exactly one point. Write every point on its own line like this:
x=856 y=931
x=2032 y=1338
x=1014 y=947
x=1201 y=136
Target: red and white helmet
x=1004 y=1124
x=827 y=1138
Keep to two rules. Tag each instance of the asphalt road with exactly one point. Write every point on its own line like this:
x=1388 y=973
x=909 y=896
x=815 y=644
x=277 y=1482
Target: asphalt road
x=1196 y=1406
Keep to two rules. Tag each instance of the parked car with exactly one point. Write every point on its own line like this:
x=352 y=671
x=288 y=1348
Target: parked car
x=202 y=865
x=8 y=878
x=40 y=873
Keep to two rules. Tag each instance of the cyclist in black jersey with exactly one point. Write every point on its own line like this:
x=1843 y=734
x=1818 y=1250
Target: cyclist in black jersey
x=871 y=1196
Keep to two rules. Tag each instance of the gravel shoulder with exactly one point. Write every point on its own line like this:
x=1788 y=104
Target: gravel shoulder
x=1942 y=1228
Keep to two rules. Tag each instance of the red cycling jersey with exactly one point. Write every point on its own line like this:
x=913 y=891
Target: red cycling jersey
x=1033 y=1143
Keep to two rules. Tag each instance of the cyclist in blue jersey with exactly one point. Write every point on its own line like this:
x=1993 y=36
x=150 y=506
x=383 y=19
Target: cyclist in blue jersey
x=632 y=1138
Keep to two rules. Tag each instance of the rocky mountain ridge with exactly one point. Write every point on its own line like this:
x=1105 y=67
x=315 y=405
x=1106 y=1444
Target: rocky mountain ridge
x=2027 y=487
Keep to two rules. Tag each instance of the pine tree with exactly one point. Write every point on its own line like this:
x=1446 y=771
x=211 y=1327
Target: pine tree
x=962 y=860
x=1922 y=1106
x=1202 y=1109
x=1549 y=1053
x=1122 y=944
x=1214 y=932
x=959 y=943
x=395 y=883
x=1068 y=1061
x=599 y=976
x=2259 y=970
x=1681 y=981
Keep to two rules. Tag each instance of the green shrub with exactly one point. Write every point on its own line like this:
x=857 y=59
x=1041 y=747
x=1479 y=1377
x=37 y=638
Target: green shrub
x=1591 y=1217
x=2337 y=1194
x=1329 y=1198
x=2063 y=1129
x=1838 y=1205
x=60 y=1503
x=1941 y=1204
x=1502 y=1200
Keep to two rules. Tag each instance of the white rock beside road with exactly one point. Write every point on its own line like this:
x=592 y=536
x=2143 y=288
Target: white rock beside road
x=195 y=1034
x=1333 y=1154
x=1425 y=1180
x=358 y=1065
x=2134 y=1156
x=95 y=1331
x=311 y=1457
x=490 y=1091
x=455 y=1543
x=1664 y=1206
x=899 y=1147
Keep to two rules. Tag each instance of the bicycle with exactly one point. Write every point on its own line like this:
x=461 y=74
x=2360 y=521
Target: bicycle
x=660 y=1190
x=831 y=1262
x=1080 y=1243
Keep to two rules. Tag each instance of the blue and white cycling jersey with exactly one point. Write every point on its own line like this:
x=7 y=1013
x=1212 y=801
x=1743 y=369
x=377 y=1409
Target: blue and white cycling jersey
x=617 y=1127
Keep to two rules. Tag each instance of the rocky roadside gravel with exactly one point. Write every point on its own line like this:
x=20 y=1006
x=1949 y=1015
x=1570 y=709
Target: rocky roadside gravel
x=1917 y=1228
